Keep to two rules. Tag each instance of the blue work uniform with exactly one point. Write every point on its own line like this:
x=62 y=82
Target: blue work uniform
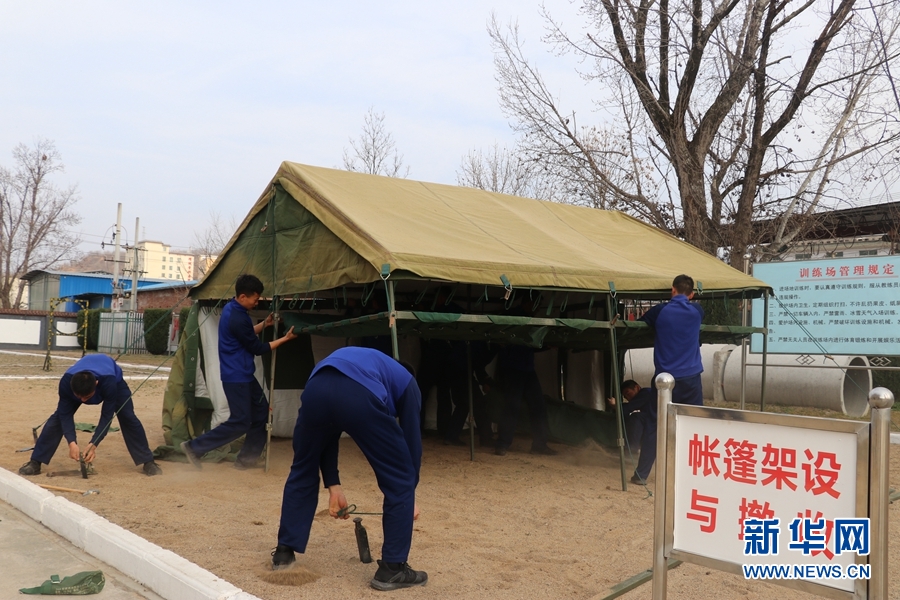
x=363 y=392
x=247 y=406
x=640 y=418
x=112 y=393
x=676 y=346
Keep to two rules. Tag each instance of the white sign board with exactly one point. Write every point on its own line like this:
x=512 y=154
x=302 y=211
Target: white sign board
x=727 y=470
x=846 y=306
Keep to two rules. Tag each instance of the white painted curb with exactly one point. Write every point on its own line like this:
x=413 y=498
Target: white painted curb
x=160 y=570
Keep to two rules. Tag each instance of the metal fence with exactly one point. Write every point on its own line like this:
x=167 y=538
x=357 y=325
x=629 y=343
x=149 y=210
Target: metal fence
x=121 y=332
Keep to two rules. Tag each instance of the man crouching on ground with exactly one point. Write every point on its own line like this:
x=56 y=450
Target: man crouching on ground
x=94 y=379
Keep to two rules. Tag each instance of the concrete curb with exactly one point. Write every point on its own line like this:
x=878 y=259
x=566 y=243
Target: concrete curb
x=160 y=570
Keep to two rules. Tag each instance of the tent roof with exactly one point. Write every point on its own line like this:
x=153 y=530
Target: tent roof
x=434 y=231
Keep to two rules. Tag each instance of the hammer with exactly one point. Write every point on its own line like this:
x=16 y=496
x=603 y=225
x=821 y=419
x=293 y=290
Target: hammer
x=56 y=488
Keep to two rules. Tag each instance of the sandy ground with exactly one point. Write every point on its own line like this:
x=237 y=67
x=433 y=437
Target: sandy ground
x=517 y=527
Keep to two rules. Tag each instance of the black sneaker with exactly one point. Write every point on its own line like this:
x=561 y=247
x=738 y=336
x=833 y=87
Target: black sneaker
x=454 y=442
x=393 y=576
x=500 y=450
x=32 y=467
x=151 y=468
x=282 y=557
x=545 y=450
x=192 y=458
x=243 y=466
x=635 y=479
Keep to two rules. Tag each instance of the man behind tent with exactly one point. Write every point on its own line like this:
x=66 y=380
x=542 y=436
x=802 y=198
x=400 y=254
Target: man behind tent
x=248 y=409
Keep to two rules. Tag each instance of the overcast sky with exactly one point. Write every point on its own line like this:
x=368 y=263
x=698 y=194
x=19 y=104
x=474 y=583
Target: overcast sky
x=176 y=109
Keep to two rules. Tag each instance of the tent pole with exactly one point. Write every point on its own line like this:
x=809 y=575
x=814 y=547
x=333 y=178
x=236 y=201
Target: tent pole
x=765 y=352
x=392 y=320
x=271 y=394
x=471 y=401
x=744 y=340
x=620 y=415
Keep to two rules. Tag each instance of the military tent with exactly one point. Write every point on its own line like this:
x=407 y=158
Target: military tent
x=345 y=255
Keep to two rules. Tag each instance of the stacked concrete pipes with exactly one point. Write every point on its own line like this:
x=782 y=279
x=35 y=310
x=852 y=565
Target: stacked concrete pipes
x=788 y=381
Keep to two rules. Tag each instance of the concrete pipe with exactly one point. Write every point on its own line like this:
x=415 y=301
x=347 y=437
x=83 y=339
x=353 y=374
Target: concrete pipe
x=793 y=385
x=639 y=366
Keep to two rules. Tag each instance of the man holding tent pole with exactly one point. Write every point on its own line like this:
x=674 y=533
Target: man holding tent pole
x=363 y=392
x=676 y=342
x=248 y=409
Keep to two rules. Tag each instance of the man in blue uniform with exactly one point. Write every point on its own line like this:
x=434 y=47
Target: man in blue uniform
x=247 y=406
x=363 y=392
x=676 y=344
x=639 y=407
x=94 y=379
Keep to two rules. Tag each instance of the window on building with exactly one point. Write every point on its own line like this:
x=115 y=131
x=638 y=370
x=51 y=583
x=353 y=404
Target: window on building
x=802 y=256
x=868 y=252
x=171 y=259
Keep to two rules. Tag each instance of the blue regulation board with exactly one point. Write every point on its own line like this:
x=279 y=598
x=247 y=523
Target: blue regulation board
x=833 y=306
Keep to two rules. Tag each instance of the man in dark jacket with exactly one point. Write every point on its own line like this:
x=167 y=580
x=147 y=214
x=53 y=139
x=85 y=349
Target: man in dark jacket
x=94 y=379
x=247 y=406
x=639 y=407
x=363 y=392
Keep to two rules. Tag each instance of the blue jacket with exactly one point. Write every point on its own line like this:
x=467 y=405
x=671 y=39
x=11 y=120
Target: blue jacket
x=644 y=401
x=111 y=387
x=391 y=384
x=238 y=344
x=380 y=374
x=676 y=347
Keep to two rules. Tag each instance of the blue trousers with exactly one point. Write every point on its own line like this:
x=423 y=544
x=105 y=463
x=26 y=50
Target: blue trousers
x=332 y=403
x=518 y=385
x=687 y=390
x=249 y=415
x=642 y=430
x=132 y=431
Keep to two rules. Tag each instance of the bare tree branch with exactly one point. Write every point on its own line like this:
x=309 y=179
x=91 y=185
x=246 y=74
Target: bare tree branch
x=34 y=217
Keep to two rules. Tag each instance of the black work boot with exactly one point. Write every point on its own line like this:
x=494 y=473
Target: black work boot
x=32 y=467
x=151 y=468
x=282 y=557
x=393 y=576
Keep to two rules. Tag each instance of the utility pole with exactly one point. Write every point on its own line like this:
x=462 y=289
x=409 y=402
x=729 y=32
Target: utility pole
x=117 y=291
x=135 y=267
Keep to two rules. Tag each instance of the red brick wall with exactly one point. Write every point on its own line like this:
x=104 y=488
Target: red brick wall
x=164 y=298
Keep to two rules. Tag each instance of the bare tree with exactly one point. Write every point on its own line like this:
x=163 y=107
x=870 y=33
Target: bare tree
x=34 y=217
x=499 y=169
x=709 y=117
x=210 y=242
x=375 y=152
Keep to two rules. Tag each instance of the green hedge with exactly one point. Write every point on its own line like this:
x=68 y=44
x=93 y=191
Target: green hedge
x=93 y=329
x=156 y=330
